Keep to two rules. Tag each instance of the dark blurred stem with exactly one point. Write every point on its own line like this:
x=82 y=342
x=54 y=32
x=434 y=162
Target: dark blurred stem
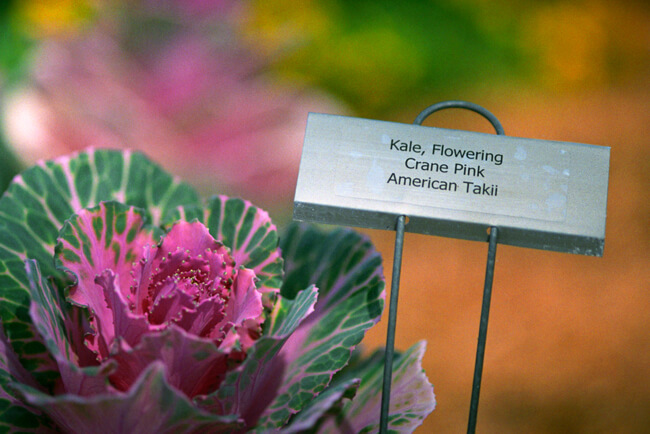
x=482 y=332
x=392 y=320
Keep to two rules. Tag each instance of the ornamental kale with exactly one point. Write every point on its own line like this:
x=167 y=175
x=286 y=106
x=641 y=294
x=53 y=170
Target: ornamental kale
x=127 y=305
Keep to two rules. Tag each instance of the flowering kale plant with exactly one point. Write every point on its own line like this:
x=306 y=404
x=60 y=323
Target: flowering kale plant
x=127 y=305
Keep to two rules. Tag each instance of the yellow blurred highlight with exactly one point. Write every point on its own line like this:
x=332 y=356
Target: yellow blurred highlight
x=390 y=60
x=585 y=44
x=273 y=26
x=373 y=60
x=571 y=39
x=44 y=18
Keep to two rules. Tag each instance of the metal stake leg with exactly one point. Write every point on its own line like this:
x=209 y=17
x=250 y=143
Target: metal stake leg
x=392 y=320
x=482 y=332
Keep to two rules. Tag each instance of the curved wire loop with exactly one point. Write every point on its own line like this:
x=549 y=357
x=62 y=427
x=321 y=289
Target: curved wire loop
x=461 y=105
x=489 y=271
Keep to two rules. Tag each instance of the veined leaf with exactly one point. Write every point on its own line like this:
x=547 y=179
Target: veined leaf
x=50 y=321
x=327 y=404
x=15 y=415
x=411 y=398
x=348 y=273
x=249 y=388
x=43 y=197
x=252 y=238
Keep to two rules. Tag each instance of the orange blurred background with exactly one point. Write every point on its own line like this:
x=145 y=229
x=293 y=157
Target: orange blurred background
x=568 y=347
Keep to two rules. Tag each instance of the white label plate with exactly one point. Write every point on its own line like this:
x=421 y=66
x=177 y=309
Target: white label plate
x=541 y=194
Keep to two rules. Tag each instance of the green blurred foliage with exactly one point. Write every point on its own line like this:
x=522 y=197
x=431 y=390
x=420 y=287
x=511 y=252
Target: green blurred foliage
x=380 y=56
x=9 y=165
x=14 y=46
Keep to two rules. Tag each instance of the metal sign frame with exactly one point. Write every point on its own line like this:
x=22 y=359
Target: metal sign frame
x=577 y=231
x=487 y=288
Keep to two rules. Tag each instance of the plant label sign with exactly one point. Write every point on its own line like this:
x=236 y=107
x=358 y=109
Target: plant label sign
x=540 y=194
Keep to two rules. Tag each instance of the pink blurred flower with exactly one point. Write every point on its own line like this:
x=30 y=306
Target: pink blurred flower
x=180 y=88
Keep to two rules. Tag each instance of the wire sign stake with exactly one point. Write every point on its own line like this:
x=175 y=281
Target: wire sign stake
x=523 y=192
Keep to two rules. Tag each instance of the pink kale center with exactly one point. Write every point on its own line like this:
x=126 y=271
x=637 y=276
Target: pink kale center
x=185 y=291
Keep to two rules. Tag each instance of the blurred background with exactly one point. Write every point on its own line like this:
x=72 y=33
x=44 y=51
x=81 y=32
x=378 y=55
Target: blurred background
x=218 y=92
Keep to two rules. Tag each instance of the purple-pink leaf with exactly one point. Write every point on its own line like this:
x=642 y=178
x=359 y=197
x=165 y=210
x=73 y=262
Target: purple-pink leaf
x=151 y=406
x=188 y=261
x=203 y=320
x=193 y=365
x=251 y=387
x=110 y=236
x=50 y=321
x=244 y=312
x=128 y=326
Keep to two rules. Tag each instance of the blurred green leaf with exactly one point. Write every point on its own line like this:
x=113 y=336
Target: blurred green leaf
x=9 y=164
x=13 y=48
x=14 y=45
x=380 y=55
